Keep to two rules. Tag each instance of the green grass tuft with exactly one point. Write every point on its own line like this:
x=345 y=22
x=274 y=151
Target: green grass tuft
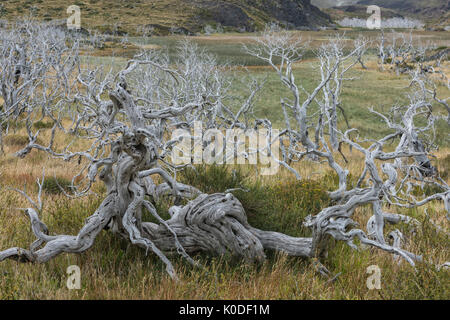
x=56 y=185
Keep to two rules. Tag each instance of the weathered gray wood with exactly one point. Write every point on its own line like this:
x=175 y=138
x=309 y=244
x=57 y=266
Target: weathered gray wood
x=128 y=117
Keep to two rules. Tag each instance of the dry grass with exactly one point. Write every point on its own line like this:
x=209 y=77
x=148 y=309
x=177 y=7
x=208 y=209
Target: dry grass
x=112 y=269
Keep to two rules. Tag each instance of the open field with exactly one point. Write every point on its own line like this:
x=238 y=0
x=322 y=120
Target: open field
x=228 y=46
x=381 y=89
x=113 y=269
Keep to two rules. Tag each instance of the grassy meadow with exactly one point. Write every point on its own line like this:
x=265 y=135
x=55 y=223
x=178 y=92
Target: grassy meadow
x=113 y=269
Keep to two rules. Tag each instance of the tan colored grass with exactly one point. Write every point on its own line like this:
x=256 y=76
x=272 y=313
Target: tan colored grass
x=112 y=269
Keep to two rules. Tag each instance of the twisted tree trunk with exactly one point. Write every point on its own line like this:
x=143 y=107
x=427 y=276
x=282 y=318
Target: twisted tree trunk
x=216 y=223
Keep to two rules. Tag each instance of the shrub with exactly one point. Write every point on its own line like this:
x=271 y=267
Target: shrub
x=444 y=165
x=43 y=125
x=219 y=178
x=12 y=124
x=214 y=178
x=427 y=190
x=284 y=206
x=53 y=185
x=16 y=140
x=279 y=207
x=331 y=181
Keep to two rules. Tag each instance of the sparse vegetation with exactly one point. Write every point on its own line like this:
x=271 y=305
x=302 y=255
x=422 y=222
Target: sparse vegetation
x=56 y=185
x=278 y=203
x=16 y=140
x=187 y=15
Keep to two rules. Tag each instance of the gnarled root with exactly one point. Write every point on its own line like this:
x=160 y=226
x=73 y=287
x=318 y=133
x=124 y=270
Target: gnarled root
x=213 y=223
x=62 y=243
x=217 y=224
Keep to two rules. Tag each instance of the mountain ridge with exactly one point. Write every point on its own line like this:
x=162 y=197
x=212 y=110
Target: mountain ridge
x=433 y=12
x=184 y=16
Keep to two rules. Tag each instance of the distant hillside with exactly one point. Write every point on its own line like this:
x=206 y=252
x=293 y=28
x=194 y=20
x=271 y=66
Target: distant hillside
x=358 y=11
x=410 y=6
x=174 y=15
x=434 y=12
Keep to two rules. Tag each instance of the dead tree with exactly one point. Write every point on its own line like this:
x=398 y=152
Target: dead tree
x=362 y=43
x=300 y=108
x=427 y=85
x=381 y=50
x=35 y=63
x=127 y=117
x=407 y=167
x=403 y=54
x=128 y=132
x=332 y=56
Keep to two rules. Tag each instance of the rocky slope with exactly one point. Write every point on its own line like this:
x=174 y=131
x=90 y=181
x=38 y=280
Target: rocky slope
x=164 y=16
x=252 y=14
x=434 y=12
